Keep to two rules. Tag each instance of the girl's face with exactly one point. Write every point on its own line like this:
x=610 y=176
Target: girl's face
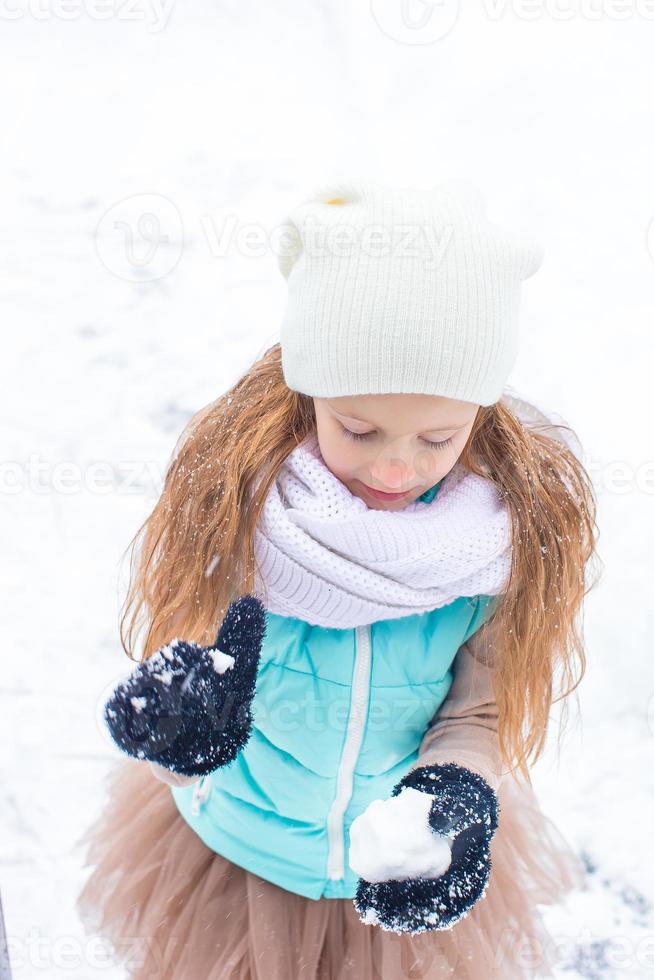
x=394 y=443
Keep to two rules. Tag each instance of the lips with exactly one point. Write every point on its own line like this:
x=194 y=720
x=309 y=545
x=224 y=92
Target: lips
x=380 y=495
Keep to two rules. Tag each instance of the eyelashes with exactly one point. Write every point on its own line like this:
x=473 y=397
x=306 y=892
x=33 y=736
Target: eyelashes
x=359 y=436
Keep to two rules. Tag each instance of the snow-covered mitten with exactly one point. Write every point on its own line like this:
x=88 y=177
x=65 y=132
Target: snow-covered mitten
x=188 y=707
x=418 y=886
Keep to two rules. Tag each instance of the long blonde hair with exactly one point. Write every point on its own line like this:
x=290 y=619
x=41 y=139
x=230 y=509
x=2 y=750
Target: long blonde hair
x=194 y=554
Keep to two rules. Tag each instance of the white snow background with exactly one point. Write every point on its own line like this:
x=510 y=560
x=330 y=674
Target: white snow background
x=108 y=347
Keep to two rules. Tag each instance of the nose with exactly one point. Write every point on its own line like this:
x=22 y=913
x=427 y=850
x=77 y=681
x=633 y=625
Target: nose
x=391 y=473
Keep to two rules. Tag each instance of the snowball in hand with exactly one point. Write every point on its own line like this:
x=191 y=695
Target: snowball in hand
x=392 y=839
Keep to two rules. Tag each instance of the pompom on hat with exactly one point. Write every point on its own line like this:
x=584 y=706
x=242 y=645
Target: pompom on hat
x=401 y=290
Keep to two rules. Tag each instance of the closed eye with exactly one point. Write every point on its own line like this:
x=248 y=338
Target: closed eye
x=357 y=436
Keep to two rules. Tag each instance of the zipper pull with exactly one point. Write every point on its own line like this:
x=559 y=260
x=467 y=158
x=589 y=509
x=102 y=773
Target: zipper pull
x=201 y=793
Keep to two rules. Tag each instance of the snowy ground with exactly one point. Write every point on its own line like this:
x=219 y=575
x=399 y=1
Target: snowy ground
x=238 y=108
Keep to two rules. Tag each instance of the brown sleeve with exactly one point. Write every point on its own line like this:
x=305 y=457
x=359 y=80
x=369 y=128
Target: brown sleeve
x=172 y=778
x=464 y=729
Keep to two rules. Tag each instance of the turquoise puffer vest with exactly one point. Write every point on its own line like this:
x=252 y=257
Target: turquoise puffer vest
x=338 y=718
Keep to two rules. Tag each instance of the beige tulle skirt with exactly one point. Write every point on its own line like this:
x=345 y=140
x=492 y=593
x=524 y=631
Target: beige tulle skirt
x=173 y=909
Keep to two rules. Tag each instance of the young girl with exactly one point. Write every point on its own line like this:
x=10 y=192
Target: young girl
x=363 y=576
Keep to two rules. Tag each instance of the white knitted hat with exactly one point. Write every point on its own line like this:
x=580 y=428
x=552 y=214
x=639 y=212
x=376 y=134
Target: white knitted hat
x=401 y=290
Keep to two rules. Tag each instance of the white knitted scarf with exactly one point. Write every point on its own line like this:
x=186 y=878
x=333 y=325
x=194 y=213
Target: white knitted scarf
x=327 y=558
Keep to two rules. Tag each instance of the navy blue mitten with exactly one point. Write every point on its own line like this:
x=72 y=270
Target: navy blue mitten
x=188 y=707
x=465 y=809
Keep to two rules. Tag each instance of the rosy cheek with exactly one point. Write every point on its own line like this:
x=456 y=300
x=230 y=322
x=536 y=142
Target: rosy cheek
x=427 y=462
x=348 y=462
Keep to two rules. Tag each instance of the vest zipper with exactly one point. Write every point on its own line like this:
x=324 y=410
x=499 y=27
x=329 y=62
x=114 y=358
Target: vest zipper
x=201 y=793
x=344 y=780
